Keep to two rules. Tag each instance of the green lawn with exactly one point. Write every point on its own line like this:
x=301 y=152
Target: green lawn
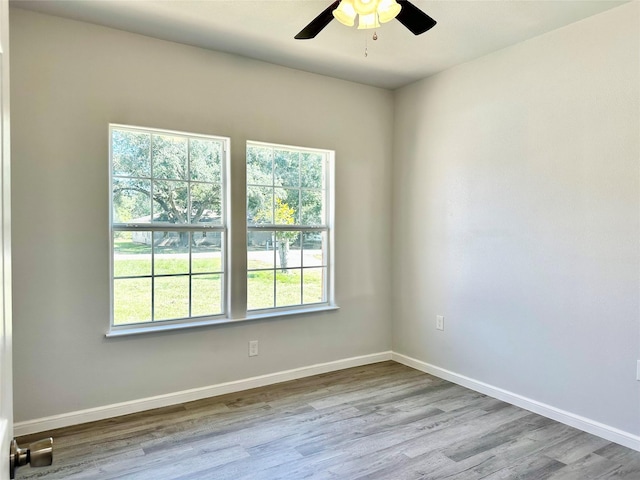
x=132 y=296
x=260 y=288
x=165 y=266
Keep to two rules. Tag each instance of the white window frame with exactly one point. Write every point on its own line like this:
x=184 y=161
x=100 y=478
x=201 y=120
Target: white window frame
x=327 y=227
x=159 y=325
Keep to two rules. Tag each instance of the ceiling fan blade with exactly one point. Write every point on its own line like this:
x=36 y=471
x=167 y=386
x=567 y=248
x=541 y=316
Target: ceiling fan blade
x=414 y=19
x=318 y=23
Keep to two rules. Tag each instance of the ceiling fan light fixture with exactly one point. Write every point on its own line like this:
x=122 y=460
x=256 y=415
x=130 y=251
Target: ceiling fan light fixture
x=365 y=7
x=388 y=10
x=370 y=13
x=345 y=13
x=368 y=21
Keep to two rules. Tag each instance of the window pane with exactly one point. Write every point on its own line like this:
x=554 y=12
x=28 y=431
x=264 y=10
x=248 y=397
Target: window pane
x=315 y=249
x=311 y=170
x=286 y=168
x=288 y=249
x=288 y=287
x=171 y=253
x=287 y=205
x=169 y=157
x=278 y=259
x=259 y=205
x=260 y=290
x=130 y=153
x=259 y=166
x=131 y=301
x=312 y=207
x=170 y=202
x=206 y=203
x=206 y=252
x=313 y=286
x=206 y=295
x=260 y=250
x=171 y=297
x=205 y=157
x=131 y=200
x=131 y=254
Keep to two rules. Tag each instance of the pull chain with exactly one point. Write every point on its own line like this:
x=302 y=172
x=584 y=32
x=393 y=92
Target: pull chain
x=366 y=50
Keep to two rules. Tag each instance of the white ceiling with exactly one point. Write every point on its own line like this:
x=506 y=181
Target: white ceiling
x=264 y=30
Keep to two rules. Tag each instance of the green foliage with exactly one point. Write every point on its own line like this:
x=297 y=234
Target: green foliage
x=176 y=162
x=284 y=215
x=293 y=177
x=259 y=183
x=131 y=153
x=284 y=187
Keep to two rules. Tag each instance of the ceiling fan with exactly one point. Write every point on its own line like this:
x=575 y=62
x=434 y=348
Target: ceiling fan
x=369 y=12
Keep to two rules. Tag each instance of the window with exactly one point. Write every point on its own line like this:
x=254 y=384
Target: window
x=168 y=226
x=288 y=227
x=169 y=232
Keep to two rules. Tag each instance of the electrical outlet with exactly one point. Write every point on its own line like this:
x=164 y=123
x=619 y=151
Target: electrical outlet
x=253 y=348
x=439 y=322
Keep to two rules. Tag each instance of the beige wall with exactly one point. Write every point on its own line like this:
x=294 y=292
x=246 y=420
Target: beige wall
x=516 y=211
x=69 y=81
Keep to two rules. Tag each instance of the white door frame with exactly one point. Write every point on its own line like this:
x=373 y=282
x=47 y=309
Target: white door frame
x=6 y=390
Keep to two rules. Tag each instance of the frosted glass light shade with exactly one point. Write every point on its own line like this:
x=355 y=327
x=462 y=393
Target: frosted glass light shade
x=368 y=21
x=345 y=13
x=388 y=10
x=365 y=7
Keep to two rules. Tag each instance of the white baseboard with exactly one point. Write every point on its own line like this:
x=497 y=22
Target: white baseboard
x=134 y=406
x=585 y=424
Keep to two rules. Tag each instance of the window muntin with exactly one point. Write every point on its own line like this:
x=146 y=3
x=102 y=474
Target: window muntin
x=288 y=227
x=168 y=225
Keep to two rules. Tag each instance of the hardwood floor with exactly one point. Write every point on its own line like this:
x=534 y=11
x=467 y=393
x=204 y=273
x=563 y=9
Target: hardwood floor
x=382 y=421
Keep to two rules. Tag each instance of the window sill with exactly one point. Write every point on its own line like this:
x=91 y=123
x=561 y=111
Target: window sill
x=141 y=329
x=286 y=313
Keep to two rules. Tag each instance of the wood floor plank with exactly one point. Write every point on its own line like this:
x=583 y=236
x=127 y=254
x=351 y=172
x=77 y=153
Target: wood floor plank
x=576 y=447
x=590 y=467
x=617 y=453
x=381 y=421
x=627 y=471
x=530 y=468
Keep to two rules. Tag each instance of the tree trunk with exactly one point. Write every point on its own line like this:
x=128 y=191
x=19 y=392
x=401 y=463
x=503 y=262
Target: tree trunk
x=283 y=250
x=184 y=239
